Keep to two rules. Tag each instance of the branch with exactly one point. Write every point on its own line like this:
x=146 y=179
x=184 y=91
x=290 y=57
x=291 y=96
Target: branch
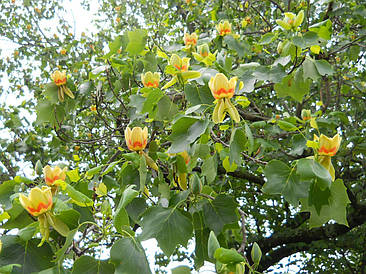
x=294 y=237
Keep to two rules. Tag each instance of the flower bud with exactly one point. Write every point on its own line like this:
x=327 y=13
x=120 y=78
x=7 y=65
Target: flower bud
x=136 y=139
x=306 y=114
x=203 y=50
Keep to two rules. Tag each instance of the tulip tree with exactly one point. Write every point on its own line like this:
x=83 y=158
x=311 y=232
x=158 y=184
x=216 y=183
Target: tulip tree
x=120 y=135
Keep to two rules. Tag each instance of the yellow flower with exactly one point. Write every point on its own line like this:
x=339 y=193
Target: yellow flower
x=63 y=51
x=180 y=64
x=190 y=39
x=224 y=27
x=38 y=202
x=52 y=175
x=185 y=156
x=136 y=139
x=1 y=245
x=150 y=79
x=221 y=87
x=93 y=108
x=291 y=20
x=59 y=77
x=328 y=146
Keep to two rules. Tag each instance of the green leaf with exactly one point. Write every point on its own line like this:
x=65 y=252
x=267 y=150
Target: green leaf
x=310 y=70
x=169 y=226
x=51 y=93
x=237 y=145
x=198 y=96
x=136 y=41
x=73 y=175
x=151 y=100
x=89 y=265
x=91 y=172
x=77 y=197
x=228 y=256
x=282 y=179
x=287 y=126
x=6 y=190
x=110 y=167
x=267 y=38
x=181 y=270
x=336 y=210
x=201 y=238
x=323 y=29
x=311 y=169
x=240 y=48
x=219 y=212
x=185 y=131
x=209 y=168
x=293 y=85
x=166 y=109
x=115 y=45
x=16 y=251
x=213 y=244
x=121 y=217
x=323 y=67
x=128 y=256
x=318 y=197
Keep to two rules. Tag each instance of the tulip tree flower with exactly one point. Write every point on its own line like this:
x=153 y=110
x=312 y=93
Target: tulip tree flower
x=150 y=79
x=39 y=204
x=178 y=67
x=136 y=140
x=204 y=55
x=52 y=175
x=190 y=40
x=291 y=20
x=224 y=28
x=327 y=147
x=59 y=78
x=223 y=90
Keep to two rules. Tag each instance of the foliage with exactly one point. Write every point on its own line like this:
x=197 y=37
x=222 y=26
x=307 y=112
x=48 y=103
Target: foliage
x=249 y=192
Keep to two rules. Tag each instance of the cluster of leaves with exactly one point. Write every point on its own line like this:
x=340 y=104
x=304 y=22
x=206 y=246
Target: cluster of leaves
x=245 y=181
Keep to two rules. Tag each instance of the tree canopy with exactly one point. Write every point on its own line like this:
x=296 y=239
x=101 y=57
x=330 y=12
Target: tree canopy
x=236 y=126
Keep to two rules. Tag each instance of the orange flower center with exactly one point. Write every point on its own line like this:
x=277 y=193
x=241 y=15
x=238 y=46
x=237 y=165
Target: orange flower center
x=182 y=68
x=137 y=145
x=223 y=91
x=60 y=82
x=191 y=41
x=40 y=207
x=154 y=84
x=204 y=54
x=330 y=152
x=225 y=31
x=50 y=181
x=306 y=118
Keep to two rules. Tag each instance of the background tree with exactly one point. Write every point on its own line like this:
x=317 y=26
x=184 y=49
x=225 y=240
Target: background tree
x=260 y=186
